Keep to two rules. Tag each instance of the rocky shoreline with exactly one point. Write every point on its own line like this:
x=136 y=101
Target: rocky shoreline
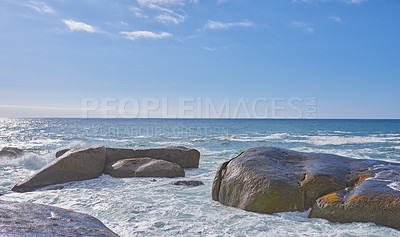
x=262 y=179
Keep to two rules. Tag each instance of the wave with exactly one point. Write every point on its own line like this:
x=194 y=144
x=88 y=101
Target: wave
x=395 y=186
x=239 y=138
x=30 y=161
x=342 y=140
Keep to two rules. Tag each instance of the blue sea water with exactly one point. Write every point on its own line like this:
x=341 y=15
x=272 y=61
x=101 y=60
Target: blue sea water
x=140 y=207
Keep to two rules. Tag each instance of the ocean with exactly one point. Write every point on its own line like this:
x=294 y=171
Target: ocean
x=143 y=207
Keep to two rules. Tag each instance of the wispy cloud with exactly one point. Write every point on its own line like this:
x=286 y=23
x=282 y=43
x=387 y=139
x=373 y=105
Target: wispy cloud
x=80 y=26
x=336 y=19
x=344 y=1
x=217 y=48
x=355 y=1
x=168 y=15
x=134 y=35
x=124 y=23
x=217 y=25
x=166 y=10
x=39 y=7
x=302 y=25
x=166 y=2
x=138 y=12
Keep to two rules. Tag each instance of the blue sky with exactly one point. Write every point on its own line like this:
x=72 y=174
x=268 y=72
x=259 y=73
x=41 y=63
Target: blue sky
x=345 y=53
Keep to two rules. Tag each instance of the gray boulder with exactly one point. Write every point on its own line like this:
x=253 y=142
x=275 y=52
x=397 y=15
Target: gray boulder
x=76 y=164
x=28 y=219
x=340 y=189
x=11 y=152
x=143 y=167
x=184 y=157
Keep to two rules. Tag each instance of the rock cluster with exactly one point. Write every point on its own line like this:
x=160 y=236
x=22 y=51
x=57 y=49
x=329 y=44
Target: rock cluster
x=340 y=189
x=91 y=162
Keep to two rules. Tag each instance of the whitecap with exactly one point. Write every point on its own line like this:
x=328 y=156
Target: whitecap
x=31 y=161
x=395 y=186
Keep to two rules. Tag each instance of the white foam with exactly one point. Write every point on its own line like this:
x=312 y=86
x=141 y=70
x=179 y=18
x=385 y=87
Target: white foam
x=341 y=140
x=395 y=186
x=245 y=138
x=31 y=161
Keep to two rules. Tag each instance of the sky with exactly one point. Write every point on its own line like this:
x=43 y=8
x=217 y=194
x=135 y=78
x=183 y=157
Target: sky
x=190 y=58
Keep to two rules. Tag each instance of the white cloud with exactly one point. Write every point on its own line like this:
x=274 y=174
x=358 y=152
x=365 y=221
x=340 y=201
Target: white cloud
x=336 y=18
x=216 y=25
x=39 y=7
x=134 y=35
x=302 y=25
x=80 y=26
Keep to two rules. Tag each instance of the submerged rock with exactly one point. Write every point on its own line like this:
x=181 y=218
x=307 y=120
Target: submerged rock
x=144 y=167
x=76 y=164
x=270 y=180
x=188 y=183
x=11 y=152
x=28 y=219
x=184 y=157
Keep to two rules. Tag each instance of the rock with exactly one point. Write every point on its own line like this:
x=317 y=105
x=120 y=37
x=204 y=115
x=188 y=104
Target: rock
x=340 y=189
x=144 y=167
x=61 y=152
x=369 y=199
x=11 y=152
x=185 y=157
x=28 y=219
x=76 y=164
x=270 y=180
x=116 y=154
x=188 y=183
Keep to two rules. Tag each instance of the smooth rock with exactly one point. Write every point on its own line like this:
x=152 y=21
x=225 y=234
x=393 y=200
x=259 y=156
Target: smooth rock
x=11 y=152
x=340 y=189
x=270 y=180
x=188 y=183
x=369 y=199
x=28 y=219
x=144 y=167
x=75 y=165
x=62 y=152
x=185 y=157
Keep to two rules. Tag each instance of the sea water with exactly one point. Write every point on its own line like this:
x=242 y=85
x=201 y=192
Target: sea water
x=144 y=207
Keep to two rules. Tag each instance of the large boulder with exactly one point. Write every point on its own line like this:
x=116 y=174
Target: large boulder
x=185 y=157
x=270 y=180
x=27 y=219
x=144 y=167
x=11 y=152
x=76 y=164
